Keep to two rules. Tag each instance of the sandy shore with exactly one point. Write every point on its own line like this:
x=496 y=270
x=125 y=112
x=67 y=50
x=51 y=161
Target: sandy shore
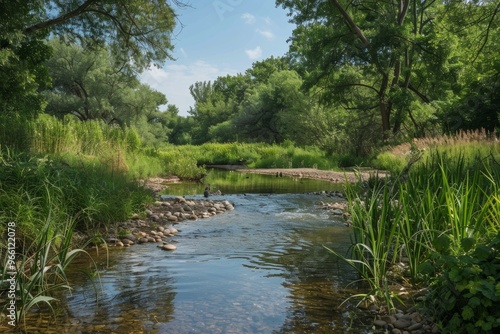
x=311 y=173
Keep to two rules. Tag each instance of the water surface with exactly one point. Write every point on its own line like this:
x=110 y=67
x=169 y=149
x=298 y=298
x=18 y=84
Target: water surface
x=261 y=268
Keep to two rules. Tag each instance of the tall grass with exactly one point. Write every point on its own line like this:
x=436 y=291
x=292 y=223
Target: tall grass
x=31 y=188
x=466 y=144
x=254 y=155
x=449 y=201
x=41 y=271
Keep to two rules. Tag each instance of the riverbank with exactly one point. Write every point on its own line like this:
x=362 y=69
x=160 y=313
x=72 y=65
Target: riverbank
x=308 y=173
x=156 y=223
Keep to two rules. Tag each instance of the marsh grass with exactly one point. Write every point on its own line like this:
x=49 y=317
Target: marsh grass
x=42 y=271
x=464 y=145
x=255 y=155
x=449 y=201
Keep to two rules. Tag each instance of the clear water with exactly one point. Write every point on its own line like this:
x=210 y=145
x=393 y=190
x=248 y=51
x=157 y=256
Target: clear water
x=261 y=268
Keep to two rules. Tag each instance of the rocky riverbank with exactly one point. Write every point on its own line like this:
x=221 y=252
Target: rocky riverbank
x=156 y=224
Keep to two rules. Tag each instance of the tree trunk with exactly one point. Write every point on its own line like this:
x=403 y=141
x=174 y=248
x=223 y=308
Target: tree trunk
x=385 y=113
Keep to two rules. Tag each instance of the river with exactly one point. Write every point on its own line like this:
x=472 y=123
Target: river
x=261 y=268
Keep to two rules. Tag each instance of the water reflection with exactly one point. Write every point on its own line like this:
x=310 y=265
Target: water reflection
x=234 y=182
x=261 y=268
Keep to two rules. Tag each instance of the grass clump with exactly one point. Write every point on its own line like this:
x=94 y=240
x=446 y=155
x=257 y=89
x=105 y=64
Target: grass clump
x=412 y=229
x=464 y=145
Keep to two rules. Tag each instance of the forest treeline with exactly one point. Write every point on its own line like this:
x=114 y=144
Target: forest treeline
x=356 y=76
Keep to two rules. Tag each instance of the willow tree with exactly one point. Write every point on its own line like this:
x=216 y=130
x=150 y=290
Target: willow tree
x=399 y=55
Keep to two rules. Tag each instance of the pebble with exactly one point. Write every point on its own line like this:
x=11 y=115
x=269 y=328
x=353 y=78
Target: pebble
x=402 y=323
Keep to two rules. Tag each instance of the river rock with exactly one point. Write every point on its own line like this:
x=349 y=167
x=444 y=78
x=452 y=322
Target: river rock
x=415 y=326
x=130 y=237
x=172 y=218
x=402 y=323
x=127 y=242
x=180 y=199
x=168 y=247
x=380 y=323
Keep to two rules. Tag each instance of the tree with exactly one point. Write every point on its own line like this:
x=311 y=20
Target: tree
x=269 y=111
x=136 y=31
x=87 y=85
x=216 y=103
x=399 y=54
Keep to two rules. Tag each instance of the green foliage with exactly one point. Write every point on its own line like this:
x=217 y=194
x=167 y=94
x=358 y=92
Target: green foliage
x=137 y=33
x=41 y=269
x=467 y=148
x=181 y=163
x=87 y=85
x=34 y=187
x=252 y=155
x=446 y=204
x=465 y=295
x=379 y=59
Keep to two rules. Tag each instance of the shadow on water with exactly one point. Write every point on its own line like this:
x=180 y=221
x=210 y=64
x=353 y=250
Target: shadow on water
x=260 y=268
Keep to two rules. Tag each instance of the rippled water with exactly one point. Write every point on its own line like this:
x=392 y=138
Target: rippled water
x=261 y=268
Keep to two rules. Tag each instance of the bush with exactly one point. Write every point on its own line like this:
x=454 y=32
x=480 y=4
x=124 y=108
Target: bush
x=466 y=294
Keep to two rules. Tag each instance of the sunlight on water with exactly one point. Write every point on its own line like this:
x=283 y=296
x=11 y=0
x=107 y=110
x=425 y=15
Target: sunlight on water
x=261 y=268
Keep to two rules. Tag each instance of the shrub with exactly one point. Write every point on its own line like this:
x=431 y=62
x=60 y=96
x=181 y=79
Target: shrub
x=465 y=296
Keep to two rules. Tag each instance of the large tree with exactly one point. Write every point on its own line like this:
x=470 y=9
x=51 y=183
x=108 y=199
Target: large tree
x=400 y=54
x=216 y=102
x=136 y=31
x=86 y=84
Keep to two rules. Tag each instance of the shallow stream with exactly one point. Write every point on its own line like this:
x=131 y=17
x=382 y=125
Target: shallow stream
x=261 y=268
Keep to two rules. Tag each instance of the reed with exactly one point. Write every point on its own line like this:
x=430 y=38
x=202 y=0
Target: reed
x=467 y=144
x=41 y=271
x=447 y=202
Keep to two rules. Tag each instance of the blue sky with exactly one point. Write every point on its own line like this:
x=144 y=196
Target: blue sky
x=217 y=38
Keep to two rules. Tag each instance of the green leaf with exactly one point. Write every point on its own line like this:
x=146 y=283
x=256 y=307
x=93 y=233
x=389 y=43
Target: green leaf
x=468 y=243
x=442 y=244
x=426 y=268
x=474 y=301
x=482 y=252
x=467 y=313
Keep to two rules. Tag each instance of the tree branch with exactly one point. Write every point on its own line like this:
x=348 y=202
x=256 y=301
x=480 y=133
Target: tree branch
x=58 y=20
x=350 y=22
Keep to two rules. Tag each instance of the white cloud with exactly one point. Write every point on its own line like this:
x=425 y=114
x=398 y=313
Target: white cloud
x=266 y=33
x=174 y=81
x=255 y=53
x=248 y=18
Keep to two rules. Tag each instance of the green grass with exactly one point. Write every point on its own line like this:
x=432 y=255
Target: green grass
x=449 y=202
x=254 y=155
